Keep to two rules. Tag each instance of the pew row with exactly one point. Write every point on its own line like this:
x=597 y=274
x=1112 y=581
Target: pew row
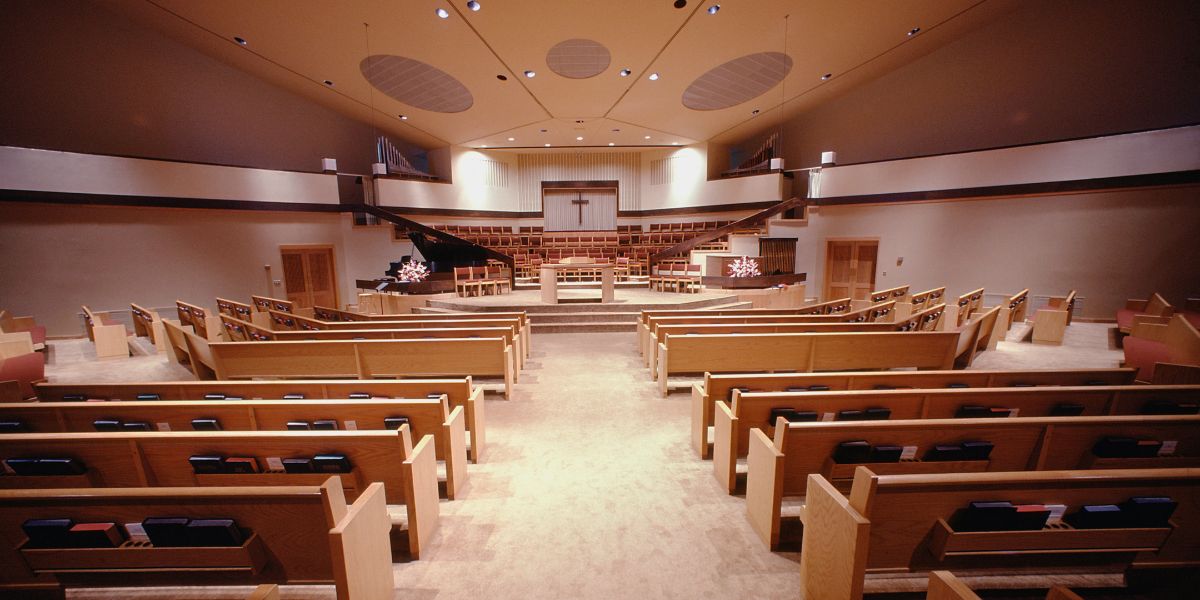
x=1050 y=323
x=717 y=387
x=264 y=304
x=109 y=337
x=901 y=524
x=190 y=350
x=304 y=534
x=779 y=467
x=402 y=321
x=746 y=411
x=205 y=325
x=1155 y=310
x=1151 y=345
x=458 y=392
x=424 y=417
x=967 y=305
x=161 y=459
x=943 y=585
x=148 y=324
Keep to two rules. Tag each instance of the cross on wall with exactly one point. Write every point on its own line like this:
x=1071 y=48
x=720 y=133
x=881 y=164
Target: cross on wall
x=580 y=202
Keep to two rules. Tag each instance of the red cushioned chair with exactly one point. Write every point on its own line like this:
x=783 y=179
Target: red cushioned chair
x=1155 y=310
x=1177 y=342
x=24 y=369
x=11 y=324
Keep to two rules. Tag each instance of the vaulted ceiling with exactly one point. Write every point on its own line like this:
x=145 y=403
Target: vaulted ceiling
x=460 y=80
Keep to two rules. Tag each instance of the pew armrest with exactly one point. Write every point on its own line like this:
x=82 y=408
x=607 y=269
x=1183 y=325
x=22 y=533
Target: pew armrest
x=842 y=534
x=699 y=420
x=725 y=445
x=943 y=585
x=455 y=451
x=360 y=548
x=476 y=419
x=764 y=487
x=421 y=495
x=1154 y=332
x=1137 y=304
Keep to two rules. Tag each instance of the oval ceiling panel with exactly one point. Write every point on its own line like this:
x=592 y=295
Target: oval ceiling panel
x=416 y=83
x=578 y=58
x=737 y=81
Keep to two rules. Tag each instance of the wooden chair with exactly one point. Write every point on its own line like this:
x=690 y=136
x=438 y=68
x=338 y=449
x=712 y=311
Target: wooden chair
x=109 y=337
x=1149 y=344
x=20 y=367
x=1156 y=310
x=1050 y=323
x=465 y=284
x=26 y=325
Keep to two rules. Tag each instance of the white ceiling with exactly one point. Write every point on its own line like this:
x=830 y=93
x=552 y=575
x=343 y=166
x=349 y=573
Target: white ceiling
x=298 y=44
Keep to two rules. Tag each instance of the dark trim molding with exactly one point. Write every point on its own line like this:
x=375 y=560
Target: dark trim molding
x=694 y=210
x=1046 y=188
x=581 y=185
x=456 y=212
x=162 y=202
x=177 y=160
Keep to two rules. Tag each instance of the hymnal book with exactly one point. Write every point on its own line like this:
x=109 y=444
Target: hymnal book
x=11 y=426
x=298 y=425
x=45 y=466
x=881 y=454
x=1021 y=384
x=214 y=532
x=1122 y=447
x=877 y=413
x=148 y=397
x=883 y=387
x=214 y=396
x=325 y=424
x=136 y=426
x=298 y=465
x=1167 y=407
x=166 y=531
x=818 y=388
x=331 y=463
x=47 y=533
x=795 y=389
x=1095 y=382
x=791 y=415
x=850 y=415
x=1148 y=511
x=976 y=450
x=241 y=464
x=394 y=422
x=207 y=465
x=359 y=396
x=95 y=535
x=857 y=451
x=1097 y=516
x=206 y=424
x=293 y=396
x=957 y=385
x=73 y=398
x=1030 y=517
x=985 y=516
x=106 y=425
x=1066 y=409
x=136 y=533
x=944 y=452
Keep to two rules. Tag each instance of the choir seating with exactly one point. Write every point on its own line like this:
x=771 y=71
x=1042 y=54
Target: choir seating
x=147 y=324
x=516 y=321
x=922 y=300
x=927 y=319
x=109 y=337
x=902 y=524
x=11 y=324
x=1050 y=323
x=459 y=392
x=264 y=304
x=190 y=350
x=779 y=468
x=1155 y=310
x=943 y=585
x=748 y=410
x=1017 y=307
x=161 y=459
x=304 y=534
x=967 y=305
x=1149 y=344
x=720 y=387
x=204 y=324
x=430 y=416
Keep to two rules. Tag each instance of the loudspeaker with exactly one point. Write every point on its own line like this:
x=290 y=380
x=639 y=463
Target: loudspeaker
x=828 y=159
x=329 y=165
x=378 y=169
x=776 y=164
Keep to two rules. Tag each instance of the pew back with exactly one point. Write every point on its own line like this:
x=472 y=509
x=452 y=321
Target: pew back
x=235 y=309
x=967 y=304
x=897 y=294
x=264 y=304
x=922 y=300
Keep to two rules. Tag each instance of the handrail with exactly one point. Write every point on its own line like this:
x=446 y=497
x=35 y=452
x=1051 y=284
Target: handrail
x=753 y=220
x=430 y=231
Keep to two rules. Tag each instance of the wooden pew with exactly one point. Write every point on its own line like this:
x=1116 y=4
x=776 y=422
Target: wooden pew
x=190 y=350
x=237 y=330
x=805 y=352
x=109 y=338
x=362 y=359
x=147 y=324
x=943 y=585
x=720 y=387
x=160 y=459
x=779 y=467
x=966 y=305
x=1156 y=310
x=1015 y=309
x=922 y=300
x=649 y=329
x=203 y=324
x=425 y=417
x=927 y=319
x=900 y=523
x=264 y=304
x=824 y=308
x=1175 y=343
x=306 y=534
x=1050 y=323
x=458 y=392
x=896 y=294
x=734 y=420
x=522 y=318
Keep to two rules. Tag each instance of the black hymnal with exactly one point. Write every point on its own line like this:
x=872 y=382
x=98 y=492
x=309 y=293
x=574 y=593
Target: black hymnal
x=298 y=465
x=206 y=465
x=11 y=426
x=883 y=387
x=886 y=454
x=206 y=424
x=957 y=385
x=359 y=396
x=972 y=411
x=944 y=452
x=394 y=422
x=73 y=398
x=791 y=415
x=1097 y=516
x=850 y=415
x=985 y=516
x=1029 y=517
x=1122 y=447
x=1167 y=407
x=136 y=426
x=1022 y=384
x=1148 y=511
x=818 y=388
x=331 y=463
x=95 y=535
x=166 y=531
x=877 y=414
x=325 y=424
x=297 y=425
x=976 y=450
x=1066 y=409
x=214 y=396
x=45 y=466
x=106 y=425
x=1095 y=382
x=47 y=533
x=795 y=389
x=240 y=464
x=293 y=396
x=857 y=451
x=213 y=532
x=148 y=397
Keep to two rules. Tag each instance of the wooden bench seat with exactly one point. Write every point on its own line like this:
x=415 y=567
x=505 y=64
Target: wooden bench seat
x=922 y=300
x=780 y=467
x=306 y=534
x=425 y=417
x=458 y=392
x=1149 y=345
x=900 y=524
x=720 y=387
x=148 y=324
x=321 y=313
x=943 y=585
x=160 y=459
x=265 y=304
x=1050 y=323
x=1156 y=310
x=109 y=337
x=734 y=420
x=204 y=324
x=967 y=305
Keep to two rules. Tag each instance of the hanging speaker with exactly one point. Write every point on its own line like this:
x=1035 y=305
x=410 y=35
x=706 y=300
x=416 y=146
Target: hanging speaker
x=378 y=169
x=329 y=165
x=828 y=159
x=776 y=164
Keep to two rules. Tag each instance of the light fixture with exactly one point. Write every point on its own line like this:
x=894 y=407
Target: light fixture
x=483 y=145
x=826 y=76
x=328 y=83
x=530 y=74
x=443 y=13
x=625 y=72
x=914 y=31
x=502 y=77
x=674 y=143
x=473 y=5
x=654 y=77
x=239 y=40
x=712 y=10
x=403 y=117
x=512 y=139
x=546 y=145
x=647 y=137
x=680 y=3
x=611 y=144
x=754 y=112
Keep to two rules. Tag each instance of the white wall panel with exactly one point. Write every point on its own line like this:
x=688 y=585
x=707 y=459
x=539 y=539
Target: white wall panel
x=623 y=167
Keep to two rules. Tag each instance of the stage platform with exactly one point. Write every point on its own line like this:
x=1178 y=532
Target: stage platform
x=580 y=310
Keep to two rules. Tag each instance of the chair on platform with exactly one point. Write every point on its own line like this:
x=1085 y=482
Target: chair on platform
x=20 y=364
x=11 y=324
x=464 y=282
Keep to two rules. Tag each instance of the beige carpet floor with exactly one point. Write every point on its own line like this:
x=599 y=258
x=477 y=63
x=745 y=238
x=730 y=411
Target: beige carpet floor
x=590 y=488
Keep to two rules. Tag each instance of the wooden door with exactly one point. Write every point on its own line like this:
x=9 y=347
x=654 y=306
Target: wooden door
x=850 y=268
x=308 y=276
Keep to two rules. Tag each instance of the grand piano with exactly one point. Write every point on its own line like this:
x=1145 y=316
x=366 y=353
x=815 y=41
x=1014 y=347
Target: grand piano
x=442 y=253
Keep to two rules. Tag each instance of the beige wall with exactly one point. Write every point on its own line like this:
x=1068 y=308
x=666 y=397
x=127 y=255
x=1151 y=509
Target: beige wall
x=1108 y=246
x=55 y=258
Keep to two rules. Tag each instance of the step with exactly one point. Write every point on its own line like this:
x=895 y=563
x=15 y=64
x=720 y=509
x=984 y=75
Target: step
x=597 y=327
x=542 y=318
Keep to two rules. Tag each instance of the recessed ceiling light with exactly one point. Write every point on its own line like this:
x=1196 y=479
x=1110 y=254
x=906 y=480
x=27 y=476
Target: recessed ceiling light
x=611 y=144
x=914 y=31
x=616 y=131
x=579 y=138
x=625 y=72
x=512 y=139
x=754 y=112
x=654 y=77
x=580 y=121
x=328 y=83
x=546 y=145
x=443 y=13
x=403 y=117
x=543 y=130
x=647 y=137
x=674 y=143
x=826 y=76
x=502 y=77
x=483 y=145
x=241 y=41
x=530 y=74
x=680 y=3
x=712 y=10
x=473 y=5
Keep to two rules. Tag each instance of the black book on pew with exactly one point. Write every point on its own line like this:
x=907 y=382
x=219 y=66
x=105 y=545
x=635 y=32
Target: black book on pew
x=46 y=466
x=325 y=424
x=331 y=463
x=1097 y=516
x=106 y=425
x=1123 y=447
x=213 y=533
x=298 y=426
x=881 y=454
x=206 y=424
x=168 y=532
x=1148 y=511
x=850 y=415
x=818 y=388
x=794 y=389
x=136 y=426
x=214 y=396
x=298 y=465
x=857 y=451
x=995 y=515
x=47 y=533
x=73 y=398
x=394 y=422
x=877 y=413
x=1066 y=409
x=207 y=465
x=240 y=465
x=944 y=452
x=976 y=450
x=148 y=397
x=883 y=387
x=1167 y=407
x=791 y=415
x=11 y=427
x=956 y=385
x=359 y=396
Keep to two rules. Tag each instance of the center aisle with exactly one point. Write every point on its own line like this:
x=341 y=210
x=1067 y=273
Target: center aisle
x=590 y=489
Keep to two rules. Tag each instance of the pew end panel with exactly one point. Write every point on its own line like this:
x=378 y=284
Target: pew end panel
x=841 y=533
x=725 y=450
x=360 y=548
x=420 y=490
x=454 y=449
x=764 y=487
x=701 y=415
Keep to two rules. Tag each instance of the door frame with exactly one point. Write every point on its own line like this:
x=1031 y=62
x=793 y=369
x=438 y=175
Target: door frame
x=825 y=271
x=332 y=265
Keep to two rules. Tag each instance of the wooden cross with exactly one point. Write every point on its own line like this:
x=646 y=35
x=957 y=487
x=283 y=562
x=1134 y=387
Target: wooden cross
x=580 y=202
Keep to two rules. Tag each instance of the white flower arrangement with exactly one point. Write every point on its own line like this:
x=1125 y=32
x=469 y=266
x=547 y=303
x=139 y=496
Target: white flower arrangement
x=412 y=272
x=744 y=267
